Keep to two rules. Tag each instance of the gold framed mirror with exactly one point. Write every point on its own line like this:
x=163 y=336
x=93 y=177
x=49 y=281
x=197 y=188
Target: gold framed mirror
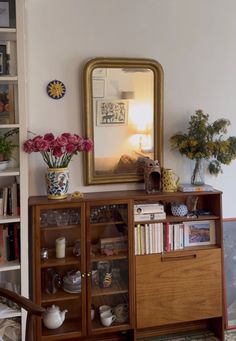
x=123 y=104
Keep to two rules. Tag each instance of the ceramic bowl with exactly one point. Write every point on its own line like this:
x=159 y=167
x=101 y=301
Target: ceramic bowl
x=3 y=165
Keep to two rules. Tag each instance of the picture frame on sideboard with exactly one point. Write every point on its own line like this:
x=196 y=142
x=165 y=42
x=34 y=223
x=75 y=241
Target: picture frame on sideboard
x=197 y=233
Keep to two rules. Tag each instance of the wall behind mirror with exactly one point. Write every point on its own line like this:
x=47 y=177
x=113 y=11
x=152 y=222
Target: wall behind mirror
x=123 y=108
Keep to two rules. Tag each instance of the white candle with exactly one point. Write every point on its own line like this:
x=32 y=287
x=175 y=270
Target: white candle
x=60 y=247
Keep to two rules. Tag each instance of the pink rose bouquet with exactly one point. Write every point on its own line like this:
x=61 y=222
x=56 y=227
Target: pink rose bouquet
x=57 y=152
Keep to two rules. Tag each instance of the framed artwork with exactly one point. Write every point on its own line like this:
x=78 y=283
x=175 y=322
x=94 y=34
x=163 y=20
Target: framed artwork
x=112 y=113
x=197 y=233
x=8 y=13
x=7 y=104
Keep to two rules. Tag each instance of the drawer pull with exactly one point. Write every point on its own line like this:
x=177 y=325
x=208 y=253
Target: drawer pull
x=170 y=259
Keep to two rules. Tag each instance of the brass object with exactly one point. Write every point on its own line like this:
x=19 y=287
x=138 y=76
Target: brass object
x=123 y=108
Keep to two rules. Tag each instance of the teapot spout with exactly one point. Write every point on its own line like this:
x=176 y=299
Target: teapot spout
x=63 y=315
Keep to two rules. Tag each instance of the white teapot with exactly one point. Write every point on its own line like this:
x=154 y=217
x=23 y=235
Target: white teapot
x=53 y=317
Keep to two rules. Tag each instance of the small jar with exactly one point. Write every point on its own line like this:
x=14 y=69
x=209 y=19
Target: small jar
x=60 y=247
x=44 y=253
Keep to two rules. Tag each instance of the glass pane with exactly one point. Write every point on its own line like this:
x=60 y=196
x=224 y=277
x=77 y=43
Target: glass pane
x=61 y=265
x=109 y=265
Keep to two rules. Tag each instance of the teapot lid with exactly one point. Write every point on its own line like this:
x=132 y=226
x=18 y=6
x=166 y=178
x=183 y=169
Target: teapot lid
x=53 y=309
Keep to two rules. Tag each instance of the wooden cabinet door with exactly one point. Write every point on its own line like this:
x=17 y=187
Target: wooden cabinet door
x=178 y=287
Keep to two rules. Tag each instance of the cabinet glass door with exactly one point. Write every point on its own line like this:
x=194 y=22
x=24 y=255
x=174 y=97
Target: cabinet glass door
x=62 y=268
x=108 y=267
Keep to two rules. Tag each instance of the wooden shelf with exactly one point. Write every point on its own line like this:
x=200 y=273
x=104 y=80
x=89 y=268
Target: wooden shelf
x=59 y=296
x=99 y=257
x=173 y=219
x=10 y=265
x=9 y=219
x=114 y=290
x=59 y=228
x=53 y=261
x=107 y=223
x=70 y=329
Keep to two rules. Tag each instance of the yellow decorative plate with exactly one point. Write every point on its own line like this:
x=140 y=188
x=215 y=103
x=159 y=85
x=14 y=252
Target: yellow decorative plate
x=56 y=89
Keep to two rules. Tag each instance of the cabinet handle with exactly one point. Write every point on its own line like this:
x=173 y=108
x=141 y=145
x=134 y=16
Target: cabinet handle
x=89 y=274
x=170 y=259
x=83 y=274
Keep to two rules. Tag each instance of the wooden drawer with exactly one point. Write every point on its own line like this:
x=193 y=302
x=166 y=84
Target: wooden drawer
x=178 y=287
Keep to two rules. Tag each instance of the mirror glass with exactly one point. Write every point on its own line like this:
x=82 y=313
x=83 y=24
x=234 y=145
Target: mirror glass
x=123 y=117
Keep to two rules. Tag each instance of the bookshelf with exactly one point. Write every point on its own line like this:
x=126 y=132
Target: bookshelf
x=16 y=271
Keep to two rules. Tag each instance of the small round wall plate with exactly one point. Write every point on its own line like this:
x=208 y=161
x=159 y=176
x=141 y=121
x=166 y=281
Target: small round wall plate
x=56 y=89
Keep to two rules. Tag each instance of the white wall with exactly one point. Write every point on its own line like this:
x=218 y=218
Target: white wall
x=194 y=40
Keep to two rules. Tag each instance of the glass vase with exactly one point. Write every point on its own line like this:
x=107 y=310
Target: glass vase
x=198 y=172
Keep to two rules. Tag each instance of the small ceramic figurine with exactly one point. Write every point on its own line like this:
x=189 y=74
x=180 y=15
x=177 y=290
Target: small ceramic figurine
x=152 y=176
x=53 y=317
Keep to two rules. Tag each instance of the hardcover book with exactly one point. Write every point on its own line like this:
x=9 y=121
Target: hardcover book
x=194 y=188
x=150 y=216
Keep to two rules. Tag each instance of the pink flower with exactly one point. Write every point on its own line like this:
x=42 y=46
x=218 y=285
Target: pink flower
x=43 y=145
x=61 y=140
x=88 y=145
x=28 y=146
x=57 y=152
x=70 y=148
x=49 y=137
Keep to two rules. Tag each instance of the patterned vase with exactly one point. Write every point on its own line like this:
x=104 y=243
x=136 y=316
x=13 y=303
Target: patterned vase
x=57 y=180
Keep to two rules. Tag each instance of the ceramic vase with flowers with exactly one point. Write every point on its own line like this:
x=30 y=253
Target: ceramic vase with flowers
x=206 y=145
x=57 y=153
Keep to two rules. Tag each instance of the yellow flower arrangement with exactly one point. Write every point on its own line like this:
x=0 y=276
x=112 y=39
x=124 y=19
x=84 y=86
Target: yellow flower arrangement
x=206 y=141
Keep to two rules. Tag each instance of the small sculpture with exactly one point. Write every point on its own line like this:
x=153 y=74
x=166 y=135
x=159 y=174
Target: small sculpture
x=152 y=176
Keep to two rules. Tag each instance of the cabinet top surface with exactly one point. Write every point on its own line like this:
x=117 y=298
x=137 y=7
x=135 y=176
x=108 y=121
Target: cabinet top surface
x=116 y=195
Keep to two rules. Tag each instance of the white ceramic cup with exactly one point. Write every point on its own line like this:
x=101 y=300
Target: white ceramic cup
x=104 y=308
x=107 y=318
x=92 y=314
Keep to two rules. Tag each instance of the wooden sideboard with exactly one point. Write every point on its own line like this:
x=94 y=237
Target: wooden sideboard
x=163 y=293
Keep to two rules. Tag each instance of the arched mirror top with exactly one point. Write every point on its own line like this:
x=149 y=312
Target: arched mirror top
x=123 y=103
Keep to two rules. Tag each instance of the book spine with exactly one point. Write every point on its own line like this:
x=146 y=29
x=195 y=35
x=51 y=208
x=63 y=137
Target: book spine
x=167 y=245
x=149 y=216
x=147 y=238
x=151 y=238
x=139 y=239
x=143 y=249
x=16 y=241
x=181 y=236
x=10 y=243
x=135 y=240
x=142 y=209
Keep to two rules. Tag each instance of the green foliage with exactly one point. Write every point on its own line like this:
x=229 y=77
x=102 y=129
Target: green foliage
x=205 y=140
x=6 y=145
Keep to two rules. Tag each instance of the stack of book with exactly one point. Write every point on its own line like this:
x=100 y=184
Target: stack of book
x=149 y=211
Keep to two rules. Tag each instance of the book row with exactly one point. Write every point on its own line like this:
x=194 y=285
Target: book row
x=159 y=237
x=9 y=242
x=10 y=200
